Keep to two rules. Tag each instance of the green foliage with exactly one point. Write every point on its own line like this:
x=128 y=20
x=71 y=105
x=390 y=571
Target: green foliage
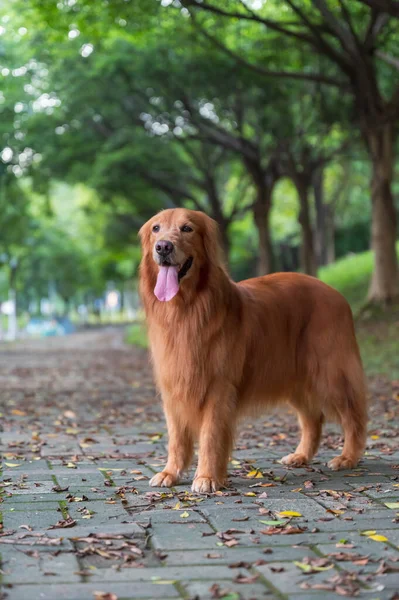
x=350 y=276
x=137 y=335
x=137 y=106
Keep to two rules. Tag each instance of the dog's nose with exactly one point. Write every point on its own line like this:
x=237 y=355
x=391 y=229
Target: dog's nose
x=164 y=247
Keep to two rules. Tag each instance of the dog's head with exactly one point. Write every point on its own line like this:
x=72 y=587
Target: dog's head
x=178 y=244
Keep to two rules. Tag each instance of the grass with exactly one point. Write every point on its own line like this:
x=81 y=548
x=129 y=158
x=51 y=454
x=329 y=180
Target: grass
x=136 y=335
x=351 y=276
x=377 y=329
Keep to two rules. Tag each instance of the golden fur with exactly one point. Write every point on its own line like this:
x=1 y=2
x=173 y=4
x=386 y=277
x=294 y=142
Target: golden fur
x=221 y=350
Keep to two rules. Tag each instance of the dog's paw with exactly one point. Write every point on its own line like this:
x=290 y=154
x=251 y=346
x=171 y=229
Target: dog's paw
x=205 y=485
x=342 y=462
x=163 y=479
x=295 y=460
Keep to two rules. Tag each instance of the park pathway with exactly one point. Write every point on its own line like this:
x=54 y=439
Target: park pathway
x=82 y=432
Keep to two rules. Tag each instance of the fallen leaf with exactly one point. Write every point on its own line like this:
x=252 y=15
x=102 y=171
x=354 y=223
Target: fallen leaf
x=289 y=513
x=184 y=515
x=7 y=464
x=255 y=474
x=58 y=488
x=69 y=414
x=245 y=579
x=309 y=568
x=64 y=523
x=18 y=413
x=290 y=530
x=378 y=538
x=104 y=596
x=393 y=505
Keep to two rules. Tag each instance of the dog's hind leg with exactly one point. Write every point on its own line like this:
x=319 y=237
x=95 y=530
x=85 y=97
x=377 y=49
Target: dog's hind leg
x=352 y=411
x=311 y=426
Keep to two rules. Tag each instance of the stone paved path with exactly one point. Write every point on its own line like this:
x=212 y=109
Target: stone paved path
x=82 y=432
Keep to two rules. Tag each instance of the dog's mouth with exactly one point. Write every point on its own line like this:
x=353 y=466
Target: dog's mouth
x=169 y=277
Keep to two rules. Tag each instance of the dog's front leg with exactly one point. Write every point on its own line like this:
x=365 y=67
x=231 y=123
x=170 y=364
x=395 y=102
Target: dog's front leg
x=216 y=438
x=180 y=451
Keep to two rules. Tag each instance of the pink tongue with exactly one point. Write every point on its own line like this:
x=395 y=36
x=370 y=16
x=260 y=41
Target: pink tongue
x=167 y=283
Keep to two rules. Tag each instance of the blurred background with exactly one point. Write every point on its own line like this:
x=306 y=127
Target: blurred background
x=276 y=117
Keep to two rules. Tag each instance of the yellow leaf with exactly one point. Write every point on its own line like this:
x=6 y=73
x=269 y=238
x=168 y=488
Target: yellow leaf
x=71 y=465
x=393 y=505
x=184 y=515
x=335 y=511
x=378 y=538
x=12 y=464
x=71 y=431
x=297 y=490
x=236 y=463
x=18 y=413
x=177 y=506
x=255 y=474
x=375 y=437
x=250 y=494
x=369 y=532
x=289 y=513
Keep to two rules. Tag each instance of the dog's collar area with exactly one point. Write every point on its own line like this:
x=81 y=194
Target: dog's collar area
x=185 y=268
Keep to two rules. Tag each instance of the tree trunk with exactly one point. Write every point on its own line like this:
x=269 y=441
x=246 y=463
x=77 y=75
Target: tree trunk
x=308 y=257
x=264 y=181
x=384 y=284
x=262 y=223
x=216 y=206
x=330 y=233
x=321 y=218
x=224 y=237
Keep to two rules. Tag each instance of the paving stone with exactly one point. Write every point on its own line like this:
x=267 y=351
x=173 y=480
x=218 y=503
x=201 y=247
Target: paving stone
x=228 y=556
x=175 y=573
x=29 y=488
x=172 y=516
x=18 y=568
x=286 y=577
x=131 y=528
x=167 y=536
x=253 y=591
x=97 y=387
x=27 y=503
x=85 y=591
x=37 y=519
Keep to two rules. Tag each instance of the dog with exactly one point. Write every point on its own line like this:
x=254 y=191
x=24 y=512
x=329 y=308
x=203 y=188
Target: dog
x=223 y=350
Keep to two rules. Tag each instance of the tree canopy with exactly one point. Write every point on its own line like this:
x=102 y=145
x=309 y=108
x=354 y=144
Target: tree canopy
x=240 y=109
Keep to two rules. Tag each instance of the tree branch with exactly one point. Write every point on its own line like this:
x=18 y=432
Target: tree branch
x=249 y=16
x=345 y=36
x=391 y=60
x=313 y=77
x=390 y=7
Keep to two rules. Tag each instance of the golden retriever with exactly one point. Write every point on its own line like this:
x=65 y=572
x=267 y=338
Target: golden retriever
x=221 y=350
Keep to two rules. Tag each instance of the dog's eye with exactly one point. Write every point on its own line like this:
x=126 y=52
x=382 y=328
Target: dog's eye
x=186 y=229
x=156 y=228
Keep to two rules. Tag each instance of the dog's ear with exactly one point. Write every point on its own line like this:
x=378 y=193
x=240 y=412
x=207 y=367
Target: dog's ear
x=212 y=241
x=144 y=234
